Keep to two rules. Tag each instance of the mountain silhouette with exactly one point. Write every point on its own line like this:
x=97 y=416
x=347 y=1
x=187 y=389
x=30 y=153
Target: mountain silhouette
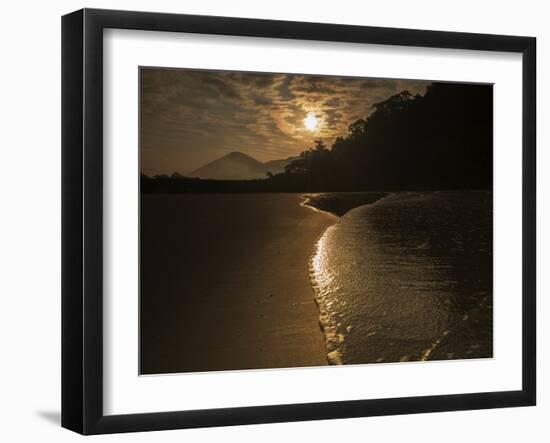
x=238 y=166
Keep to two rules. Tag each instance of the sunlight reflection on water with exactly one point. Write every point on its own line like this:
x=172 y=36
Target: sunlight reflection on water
x=407 y=278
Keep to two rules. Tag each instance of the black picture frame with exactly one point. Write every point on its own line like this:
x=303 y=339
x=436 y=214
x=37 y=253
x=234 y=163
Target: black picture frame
x=82 y=219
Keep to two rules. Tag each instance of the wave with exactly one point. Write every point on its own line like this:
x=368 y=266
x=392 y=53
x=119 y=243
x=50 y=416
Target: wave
x=333 y=339
x=337 y=204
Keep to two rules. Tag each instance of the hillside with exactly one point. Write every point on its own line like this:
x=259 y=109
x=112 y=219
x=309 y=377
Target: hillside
x=238 y=166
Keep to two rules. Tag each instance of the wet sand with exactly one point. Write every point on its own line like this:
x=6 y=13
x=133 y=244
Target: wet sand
x=225 y=283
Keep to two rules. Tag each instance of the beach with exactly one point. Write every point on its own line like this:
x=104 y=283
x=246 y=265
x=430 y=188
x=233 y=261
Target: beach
x=225 y=283
x=254 y=281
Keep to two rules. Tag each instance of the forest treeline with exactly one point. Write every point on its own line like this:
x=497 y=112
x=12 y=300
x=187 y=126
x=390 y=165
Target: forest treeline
x=442 y=140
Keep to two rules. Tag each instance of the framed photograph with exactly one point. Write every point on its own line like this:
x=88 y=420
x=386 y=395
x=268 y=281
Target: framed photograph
x=269 y=221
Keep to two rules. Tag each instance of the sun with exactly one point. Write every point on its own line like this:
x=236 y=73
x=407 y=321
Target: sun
x=311 y=122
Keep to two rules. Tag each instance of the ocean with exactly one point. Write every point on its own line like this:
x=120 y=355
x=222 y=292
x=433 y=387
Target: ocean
x=408 y=278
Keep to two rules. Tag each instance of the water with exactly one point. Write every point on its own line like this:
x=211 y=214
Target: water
x=408 y=278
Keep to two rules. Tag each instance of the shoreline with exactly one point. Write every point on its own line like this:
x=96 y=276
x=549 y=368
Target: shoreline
x=241 y=295
x=305 y=204
x=339 y=203
x=336 y=205
x=329 y=332
x=330 y=358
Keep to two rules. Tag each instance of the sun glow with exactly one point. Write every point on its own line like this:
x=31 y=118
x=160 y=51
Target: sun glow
x=311 y=122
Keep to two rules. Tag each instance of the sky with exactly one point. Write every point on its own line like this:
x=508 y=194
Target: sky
x=190 y=117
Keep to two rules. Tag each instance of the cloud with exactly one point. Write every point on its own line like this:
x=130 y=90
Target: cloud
x=259 y=99
x=284 y=88
x=190 y=117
